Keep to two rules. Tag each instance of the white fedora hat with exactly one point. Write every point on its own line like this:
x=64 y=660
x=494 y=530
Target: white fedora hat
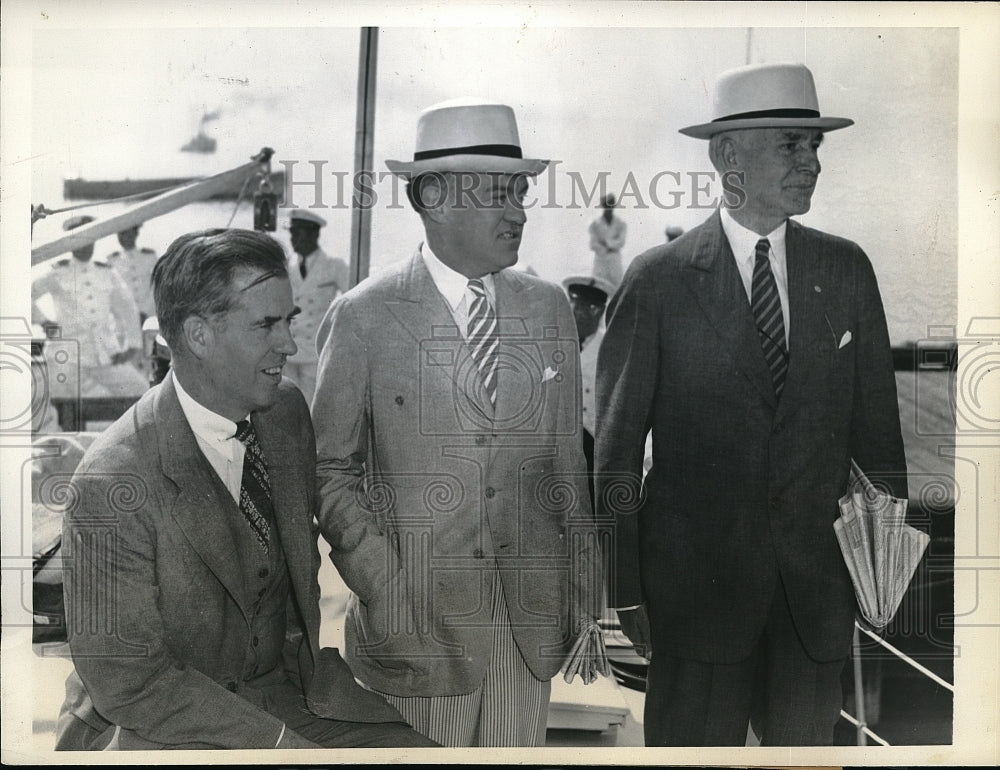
x=765 y=96
x=467 y=135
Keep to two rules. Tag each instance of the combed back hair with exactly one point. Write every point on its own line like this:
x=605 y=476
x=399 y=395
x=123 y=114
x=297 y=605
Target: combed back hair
x=195 y=275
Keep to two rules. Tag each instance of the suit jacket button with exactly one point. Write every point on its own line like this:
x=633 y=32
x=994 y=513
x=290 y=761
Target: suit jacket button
x=256 y=641
x=399 y=400
x=480 y=440
x=263 y=572
x=490 y=493
x=231 y=686
x=478 y=553
x=775 y=501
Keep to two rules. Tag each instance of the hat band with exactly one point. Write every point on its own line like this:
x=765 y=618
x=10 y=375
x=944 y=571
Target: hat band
x=502 y=150
x=782 y=113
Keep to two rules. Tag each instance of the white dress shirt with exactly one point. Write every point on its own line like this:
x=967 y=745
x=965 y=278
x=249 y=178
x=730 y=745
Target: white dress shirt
x=454 y=287
x=743 y=242
x=216 y=437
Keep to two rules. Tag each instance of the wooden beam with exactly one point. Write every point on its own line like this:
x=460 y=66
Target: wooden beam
x=155 y=207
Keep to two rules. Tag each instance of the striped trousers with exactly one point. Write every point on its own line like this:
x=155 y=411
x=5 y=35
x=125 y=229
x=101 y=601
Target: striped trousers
x=510 y=707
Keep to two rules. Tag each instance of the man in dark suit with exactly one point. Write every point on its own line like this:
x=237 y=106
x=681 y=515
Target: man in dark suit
x=451 y=473
x=756 y=350
x=190 y=550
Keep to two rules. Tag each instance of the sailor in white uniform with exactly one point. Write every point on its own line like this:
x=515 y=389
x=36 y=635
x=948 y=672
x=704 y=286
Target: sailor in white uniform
x=316 y=279
x=91 y=305
x=135 y=266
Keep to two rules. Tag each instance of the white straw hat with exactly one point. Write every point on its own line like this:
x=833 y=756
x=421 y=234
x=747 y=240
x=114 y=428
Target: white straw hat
x=467 y=135
x=765 y=96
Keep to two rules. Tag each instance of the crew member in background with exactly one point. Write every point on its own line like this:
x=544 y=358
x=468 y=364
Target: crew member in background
x=607 y=238
x=135 y=266
x=316 y=279
x=588 y=296
x=93 y=307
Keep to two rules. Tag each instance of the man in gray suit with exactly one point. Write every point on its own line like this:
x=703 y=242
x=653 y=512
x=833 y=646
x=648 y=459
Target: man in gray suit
x=192 y=604
x=451 y=474
x=756 y=350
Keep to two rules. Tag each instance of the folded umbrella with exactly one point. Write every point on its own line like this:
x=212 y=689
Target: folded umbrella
x=880 y=549
x=588 y=656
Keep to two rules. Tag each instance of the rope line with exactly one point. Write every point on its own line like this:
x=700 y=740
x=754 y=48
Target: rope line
x=864 y=728
x=907 y=659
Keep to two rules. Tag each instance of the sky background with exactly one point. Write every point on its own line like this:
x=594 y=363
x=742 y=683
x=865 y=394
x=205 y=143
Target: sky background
x=119 y=103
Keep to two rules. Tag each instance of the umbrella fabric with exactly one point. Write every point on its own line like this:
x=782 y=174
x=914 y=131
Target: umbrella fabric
x=880 y=549
x=588 y=657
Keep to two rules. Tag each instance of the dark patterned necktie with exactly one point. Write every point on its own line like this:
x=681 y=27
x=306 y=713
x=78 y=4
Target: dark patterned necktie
x=302 y=267
x=484 y=338
x=766 y=305
x=255 y=489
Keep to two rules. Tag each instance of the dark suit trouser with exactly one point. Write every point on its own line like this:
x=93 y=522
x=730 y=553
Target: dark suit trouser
x=791 y=699
x=288 y=704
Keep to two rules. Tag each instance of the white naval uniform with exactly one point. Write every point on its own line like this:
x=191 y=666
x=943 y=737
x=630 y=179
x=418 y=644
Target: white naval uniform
x=95 y=310
x=135 y=266
x=326 y=277
x=606 y=241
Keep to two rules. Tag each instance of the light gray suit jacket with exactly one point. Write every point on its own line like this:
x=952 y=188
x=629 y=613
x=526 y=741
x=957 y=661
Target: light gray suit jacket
x=423 y=495
x=157 y=607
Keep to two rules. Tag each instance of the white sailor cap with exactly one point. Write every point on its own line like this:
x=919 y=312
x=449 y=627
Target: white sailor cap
x=304 y=215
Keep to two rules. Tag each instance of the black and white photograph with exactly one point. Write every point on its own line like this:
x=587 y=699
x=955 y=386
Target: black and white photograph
x=554 y=383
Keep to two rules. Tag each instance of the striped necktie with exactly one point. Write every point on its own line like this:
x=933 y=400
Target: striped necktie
x=255 y=489
x=766 y=306
x=483 y=338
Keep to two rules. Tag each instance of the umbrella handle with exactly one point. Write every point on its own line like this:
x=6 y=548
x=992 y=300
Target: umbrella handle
x=859 y=690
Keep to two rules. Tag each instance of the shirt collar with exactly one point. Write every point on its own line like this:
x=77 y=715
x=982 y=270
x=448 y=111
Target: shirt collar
x=744 y=242
x=208 y=425
x=451 y=283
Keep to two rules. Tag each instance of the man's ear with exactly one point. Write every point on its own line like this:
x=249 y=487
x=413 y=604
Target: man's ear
x=729 y=152
x=199 y=336
x=434 y=196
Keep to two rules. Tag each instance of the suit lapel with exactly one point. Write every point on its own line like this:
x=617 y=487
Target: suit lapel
x=427 y=330
x=520 y=371
x=202 y=497
x=806 y=303
x=713 y=278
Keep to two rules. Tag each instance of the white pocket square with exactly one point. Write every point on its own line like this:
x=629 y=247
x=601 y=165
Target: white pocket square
x=548 y=374
x=845 y=340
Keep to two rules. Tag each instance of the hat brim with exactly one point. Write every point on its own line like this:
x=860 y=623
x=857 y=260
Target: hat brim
x=590 y=281
x=708 y=130
x=480 y=164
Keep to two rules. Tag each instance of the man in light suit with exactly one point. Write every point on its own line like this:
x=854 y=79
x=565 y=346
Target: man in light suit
x=757 y=351
x=316 y=279
x=190 y=552
x=453 y=488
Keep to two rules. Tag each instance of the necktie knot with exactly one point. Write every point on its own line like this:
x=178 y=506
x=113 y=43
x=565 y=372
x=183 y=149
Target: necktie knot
x=477 y=287
x=763 y=249
x=244 y=430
